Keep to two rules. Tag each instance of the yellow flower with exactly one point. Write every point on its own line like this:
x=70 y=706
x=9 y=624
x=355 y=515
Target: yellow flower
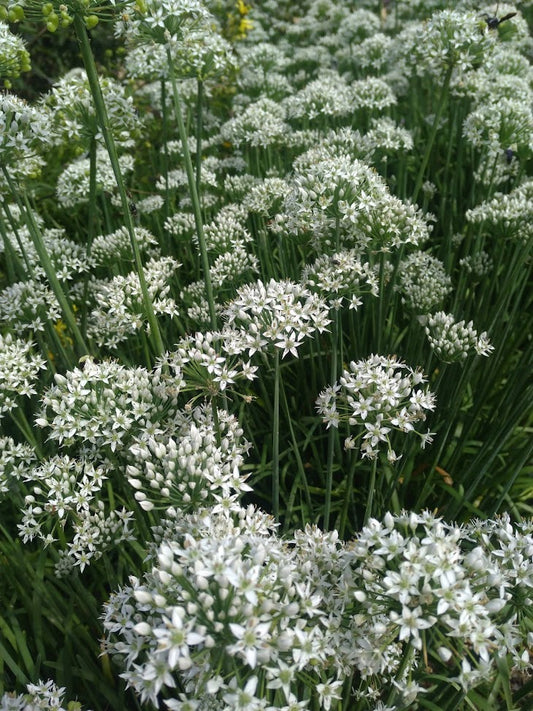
x=60 y=328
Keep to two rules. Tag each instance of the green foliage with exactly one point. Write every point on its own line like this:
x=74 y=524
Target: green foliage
x=275 y=255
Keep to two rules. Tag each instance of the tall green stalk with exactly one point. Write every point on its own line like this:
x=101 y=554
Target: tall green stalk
x=332 y=432
x=14 y=266
x=191 y=180
x=103 y=120
x=92 y=212
x=46 y=263
x=275 y=440
x=371 y=488
x=432 y=135
x=199 y=122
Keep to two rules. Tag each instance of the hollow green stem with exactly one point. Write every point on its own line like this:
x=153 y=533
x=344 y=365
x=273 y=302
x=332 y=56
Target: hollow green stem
x=332 y=432
x=348 y=496
x=299 y=462
x=275 y=440
x=165 y=158
x=90 y=229
x=12 y=222
x=199 y=121
x=46 y=263
x=15 y=268
x=371 y=488
x=191 y=180
x=433 y=133
x=407 y=656
x=103 y=120
x=21 y=421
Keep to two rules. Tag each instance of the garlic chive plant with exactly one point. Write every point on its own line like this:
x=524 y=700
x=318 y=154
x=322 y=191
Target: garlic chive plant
x=265 y=356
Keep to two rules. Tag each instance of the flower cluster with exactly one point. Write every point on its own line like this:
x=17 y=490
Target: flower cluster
x=71 y=107
x=341 y=279
x=95 y=414
x=15 y=460
x=260 y=124
x=106 y=404
x=369 y=56
x=28 y=306
x=385 y=137
x=197 y=466
x=209 y=362
x=119 y=310
x=164 y=22
x=68 y=258
x=507 y=215
x=43 y=696
x=465 y=585
x=337 y=200
x=280 y=314
x=496 y=126
x=14 y=57
x=454 y=340
x=379 y=395
x=478 y=264
x=73 y=183
x=292 y=620
x=19 y=370
x=326 y=96
x=23 y=129
x=423 y=282
x=224 y=593
x=115 y=248
x=261 y=67
x=449 y=39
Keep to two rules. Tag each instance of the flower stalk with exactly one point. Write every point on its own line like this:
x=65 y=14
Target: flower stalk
x=103 y=120
x=193 y=189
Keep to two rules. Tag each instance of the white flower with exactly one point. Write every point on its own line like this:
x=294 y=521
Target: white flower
x=329 y=692
x=410 y=623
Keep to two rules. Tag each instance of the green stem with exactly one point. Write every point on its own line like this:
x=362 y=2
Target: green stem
x=165 y=144
x=408 y=654
x=371 y=487
x=15 y=268
x=199 y=121
x=103 y=120
x=347 y=496
x=194 y=193
x=432 y=135
x=90 y=229
x=46 y=263
x=275 y=440
x=20 y=419
x=332 y=433
x=299 y=462
x=12 y=222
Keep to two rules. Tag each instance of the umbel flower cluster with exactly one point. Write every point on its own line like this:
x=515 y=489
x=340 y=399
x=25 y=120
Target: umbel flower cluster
x=43 y=695
x=19 y=370
x=14 y=57
x=379 y=395
x=232 y=616
x=278 y=314
x=267 y=217
x=452 y=340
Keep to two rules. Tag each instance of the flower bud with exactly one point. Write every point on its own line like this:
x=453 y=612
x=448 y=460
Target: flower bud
x=16 y=14
x=91 y=21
